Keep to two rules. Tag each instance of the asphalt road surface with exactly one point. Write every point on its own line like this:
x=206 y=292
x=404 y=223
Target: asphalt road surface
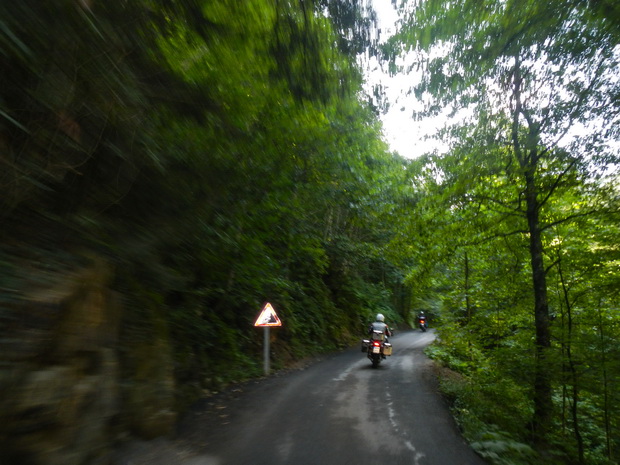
x=338 y=411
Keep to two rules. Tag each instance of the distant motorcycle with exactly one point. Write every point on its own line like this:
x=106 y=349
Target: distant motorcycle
x=376 y=348
x=423 y=325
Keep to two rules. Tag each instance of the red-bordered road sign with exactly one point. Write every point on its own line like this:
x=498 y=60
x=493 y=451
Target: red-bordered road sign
x=268 y=317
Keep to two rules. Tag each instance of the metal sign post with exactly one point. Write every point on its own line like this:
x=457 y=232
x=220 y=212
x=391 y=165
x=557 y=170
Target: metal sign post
x=267 y=319
x=266 y=351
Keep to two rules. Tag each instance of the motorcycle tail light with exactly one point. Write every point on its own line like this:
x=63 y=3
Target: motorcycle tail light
x=376 y=343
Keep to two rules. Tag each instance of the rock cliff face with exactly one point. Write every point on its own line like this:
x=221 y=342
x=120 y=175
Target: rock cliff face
x=68 y=388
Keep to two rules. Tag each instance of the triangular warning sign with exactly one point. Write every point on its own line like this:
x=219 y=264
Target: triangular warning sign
x=268 y=317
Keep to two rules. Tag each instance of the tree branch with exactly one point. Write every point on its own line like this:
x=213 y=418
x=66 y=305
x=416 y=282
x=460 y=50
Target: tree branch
x=557 y=182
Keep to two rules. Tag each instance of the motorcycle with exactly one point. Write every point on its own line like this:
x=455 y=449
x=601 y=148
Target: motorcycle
x=376 y=348
x=423 y=325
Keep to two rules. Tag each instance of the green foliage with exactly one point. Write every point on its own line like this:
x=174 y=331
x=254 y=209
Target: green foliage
x=500 y=449
x=514 y=216
x=486 y=332
x=217 y=153
x=492 y=409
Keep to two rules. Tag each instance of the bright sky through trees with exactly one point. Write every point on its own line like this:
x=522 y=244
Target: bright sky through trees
x=404 y=134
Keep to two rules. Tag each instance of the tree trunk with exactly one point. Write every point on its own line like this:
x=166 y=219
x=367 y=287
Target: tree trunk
x=542 y=381
x=528 y=157
x=573 y=369
x=467 y=291
x=606 y=400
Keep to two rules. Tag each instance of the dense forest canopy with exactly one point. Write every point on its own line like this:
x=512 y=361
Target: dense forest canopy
x=216 y=150
x=520 y=217
x=216 y=154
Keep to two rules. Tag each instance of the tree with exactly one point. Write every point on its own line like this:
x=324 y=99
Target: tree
x=537 y=84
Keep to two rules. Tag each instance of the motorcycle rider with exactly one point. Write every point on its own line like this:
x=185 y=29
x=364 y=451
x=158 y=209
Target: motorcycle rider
x=379 y=325
x=422 y=318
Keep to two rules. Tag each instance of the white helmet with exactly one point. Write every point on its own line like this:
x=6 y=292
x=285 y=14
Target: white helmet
x=380 y=317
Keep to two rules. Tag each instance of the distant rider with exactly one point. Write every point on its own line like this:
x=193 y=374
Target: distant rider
x=422 y=319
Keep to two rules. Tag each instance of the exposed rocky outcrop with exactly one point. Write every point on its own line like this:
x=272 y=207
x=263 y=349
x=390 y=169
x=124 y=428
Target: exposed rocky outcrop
x=68 y=387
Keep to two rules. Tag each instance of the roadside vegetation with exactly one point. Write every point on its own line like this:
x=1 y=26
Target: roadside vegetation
x=516 y=226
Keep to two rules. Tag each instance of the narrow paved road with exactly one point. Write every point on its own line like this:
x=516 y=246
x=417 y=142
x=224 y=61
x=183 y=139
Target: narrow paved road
x=338 y=411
